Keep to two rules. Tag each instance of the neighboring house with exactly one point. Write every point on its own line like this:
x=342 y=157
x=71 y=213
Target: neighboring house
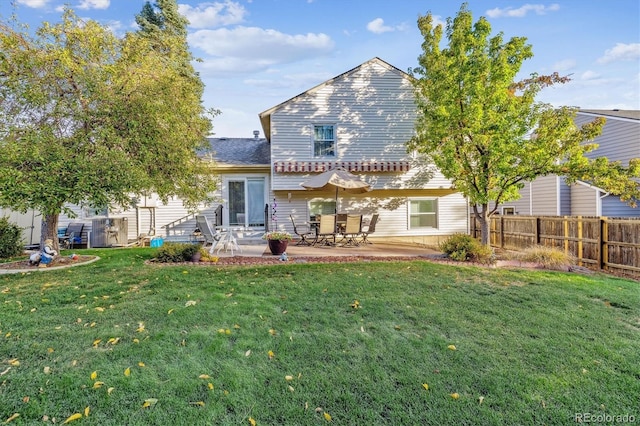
x=359 y=120
x=551 y=196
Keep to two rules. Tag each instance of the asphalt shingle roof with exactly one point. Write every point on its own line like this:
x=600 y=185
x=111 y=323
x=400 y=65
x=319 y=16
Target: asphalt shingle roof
x=241 y=151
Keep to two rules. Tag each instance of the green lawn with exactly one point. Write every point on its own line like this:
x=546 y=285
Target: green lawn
x=289 y=344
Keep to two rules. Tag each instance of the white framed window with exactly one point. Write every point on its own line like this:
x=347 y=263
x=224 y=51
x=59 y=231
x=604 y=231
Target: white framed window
x=508 y=210
x=423 y=213
x=324 y=140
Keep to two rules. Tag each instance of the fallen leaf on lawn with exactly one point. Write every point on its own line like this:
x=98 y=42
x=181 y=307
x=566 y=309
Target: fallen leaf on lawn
x=86 y=411
x=127 y=372
x=14 y=362
x=236 y=326
x=47 y=370
x=271 y=354
x=190 y=303
x=96 y=342
x=210 y=386
x=5 y=371
x=455 y=395
x=252 y=422
x=288 y=378
x=94 y=375
x=149 y=402
x=113 y=341
x=204 y=376
x=76 y=416
x=355 y=304
x=198 y=403
x=50 y=350
x=291 y=389
x=110 y=390
x=140 y=328
x=136 y=341
x=170 y=312
x=12 y=418
x=425 y=386
x=327 y=416
x=452 y=347
x=100 y=309
x=480 y=399
x=97 y=385
x=272 y=332
x=141 y=364
x=247 y=353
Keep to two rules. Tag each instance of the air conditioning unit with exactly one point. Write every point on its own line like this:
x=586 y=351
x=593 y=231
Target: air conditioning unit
x=109 y=232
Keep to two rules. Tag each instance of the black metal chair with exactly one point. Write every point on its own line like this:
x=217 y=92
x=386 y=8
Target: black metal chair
x=304 y=232
x=371 y=228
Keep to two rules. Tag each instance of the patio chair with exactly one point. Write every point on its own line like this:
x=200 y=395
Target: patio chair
x=370 y=229
x=304 y=232
x=326 y=229
x=352 y=230
x=73 y=235
x=211 y=237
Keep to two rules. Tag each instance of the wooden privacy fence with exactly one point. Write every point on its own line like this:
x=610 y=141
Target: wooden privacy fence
x=611 y=244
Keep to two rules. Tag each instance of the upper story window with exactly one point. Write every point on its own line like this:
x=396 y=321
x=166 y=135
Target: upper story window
x=423 y=213
x=324 y=140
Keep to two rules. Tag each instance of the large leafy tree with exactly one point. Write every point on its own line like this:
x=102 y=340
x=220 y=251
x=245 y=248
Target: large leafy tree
x=86 y=117
x=485 y=131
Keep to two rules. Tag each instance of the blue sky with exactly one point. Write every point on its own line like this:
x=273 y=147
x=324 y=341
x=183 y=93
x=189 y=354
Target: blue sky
x=258 y=53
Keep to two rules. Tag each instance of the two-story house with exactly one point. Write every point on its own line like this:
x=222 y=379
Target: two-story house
x=360 y=121
x=551 y=196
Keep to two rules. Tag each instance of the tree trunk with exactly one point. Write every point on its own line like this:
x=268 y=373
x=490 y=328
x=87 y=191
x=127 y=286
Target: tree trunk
x=50 y=230
x=483 y=217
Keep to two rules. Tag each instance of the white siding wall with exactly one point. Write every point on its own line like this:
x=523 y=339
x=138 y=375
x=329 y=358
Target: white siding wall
x=374 y=111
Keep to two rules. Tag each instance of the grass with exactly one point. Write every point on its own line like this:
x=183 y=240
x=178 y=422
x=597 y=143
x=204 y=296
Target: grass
x=288 y=344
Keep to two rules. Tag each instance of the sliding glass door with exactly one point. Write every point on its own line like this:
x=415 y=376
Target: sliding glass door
x=246 y=202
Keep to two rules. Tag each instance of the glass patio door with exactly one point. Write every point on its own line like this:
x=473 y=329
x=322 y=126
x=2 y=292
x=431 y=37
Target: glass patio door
x=246 y=202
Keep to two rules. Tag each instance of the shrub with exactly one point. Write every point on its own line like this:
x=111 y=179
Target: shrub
x=205 y=256
x=549 y=257
x=462 y=247
x=176 y=252
x=10 y=239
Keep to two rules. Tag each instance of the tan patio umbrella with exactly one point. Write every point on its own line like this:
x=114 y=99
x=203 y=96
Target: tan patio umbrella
x=340 y=179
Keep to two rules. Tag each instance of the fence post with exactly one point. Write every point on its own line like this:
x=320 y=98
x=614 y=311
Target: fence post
x=501 y=231
x=579 y=240
x=603 y=255
x=536 y=231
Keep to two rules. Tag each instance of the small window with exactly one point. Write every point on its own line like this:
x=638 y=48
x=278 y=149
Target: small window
x=508 y=210
x=90 y=212
x=423 y=213
x=319 y=206
x=324 y=141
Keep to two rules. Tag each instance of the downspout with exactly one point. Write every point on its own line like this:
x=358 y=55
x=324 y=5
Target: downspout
x=599 y=202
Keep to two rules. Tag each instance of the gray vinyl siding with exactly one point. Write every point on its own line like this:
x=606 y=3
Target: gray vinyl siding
x=584 y=200
x=545 y=196
x=613 y=207
x=619 y=141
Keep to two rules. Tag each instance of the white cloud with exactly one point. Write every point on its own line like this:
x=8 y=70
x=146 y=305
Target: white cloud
x=589 y=75
x=252 y=46
x=209 y=15
x=522 y=11
x=34 y=3
x=377 y=26
x=94 y=4
x=621 y=52
x=564 y=65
